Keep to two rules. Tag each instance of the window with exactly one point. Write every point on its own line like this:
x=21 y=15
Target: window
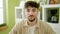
x=1 y=12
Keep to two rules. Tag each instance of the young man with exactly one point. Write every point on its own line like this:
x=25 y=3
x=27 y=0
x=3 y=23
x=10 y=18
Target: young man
x=31 y=25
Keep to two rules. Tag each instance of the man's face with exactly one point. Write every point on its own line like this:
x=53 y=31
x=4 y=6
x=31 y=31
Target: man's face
x=31 y=13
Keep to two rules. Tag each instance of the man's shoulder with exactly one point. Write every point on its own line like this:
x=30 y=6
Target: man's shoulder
x=43 y=23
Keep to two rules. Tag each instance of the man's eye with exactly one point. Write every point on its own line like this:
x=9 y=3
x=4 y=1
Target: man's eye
x=34 y=10
x=28 y=11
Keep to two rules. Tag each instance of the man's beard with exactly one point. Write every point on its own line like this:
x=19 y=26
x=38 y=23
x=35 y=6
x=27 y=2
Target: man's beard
x=31 y=20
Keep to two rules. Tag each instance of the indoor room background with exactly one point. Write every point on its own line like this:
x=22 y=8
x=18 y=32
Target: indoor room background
x=11 y=11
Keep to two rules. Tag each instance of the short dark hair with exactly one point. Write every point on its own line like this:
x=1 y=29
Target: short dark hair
x=32 y=4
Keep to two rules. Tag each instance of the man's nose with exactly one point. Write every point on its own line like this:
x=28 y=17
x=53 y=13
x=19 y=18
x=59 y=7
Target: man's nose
x=30 y=12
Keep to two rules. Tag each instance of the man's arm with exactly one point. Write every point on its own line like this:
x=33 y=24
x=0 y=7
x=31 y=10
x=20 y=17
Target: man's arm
x=49 y=29
x=14 y=30
x=17 y=28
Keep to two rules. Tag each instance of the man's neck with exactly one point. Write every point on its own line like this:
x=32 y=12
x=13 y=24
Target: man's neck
x=32 y=23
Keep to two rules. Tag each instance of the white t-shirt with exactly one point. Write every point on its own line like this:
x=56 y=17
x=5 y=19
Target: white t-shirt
x=31 y=29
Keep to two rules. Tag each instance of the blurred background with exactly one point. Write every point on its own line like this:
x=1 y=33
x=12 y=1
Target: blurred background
x=12 y=11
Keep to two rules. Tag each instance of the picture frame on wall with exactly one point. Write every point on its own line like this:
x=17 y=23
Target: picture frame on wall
x=50 y=13
x=53 y=15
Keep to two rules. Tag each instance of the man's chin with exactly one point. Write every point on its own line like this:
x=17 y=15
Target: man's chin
x=31 y=20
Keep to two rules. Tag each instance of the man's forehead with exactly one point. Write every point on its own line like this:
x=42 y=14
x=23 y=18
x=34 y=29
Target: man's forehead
x=30 y=8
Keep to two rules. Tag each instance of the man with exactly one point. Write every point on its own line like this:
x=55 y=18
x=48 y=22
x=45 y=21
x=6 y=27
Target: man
x=31 y=25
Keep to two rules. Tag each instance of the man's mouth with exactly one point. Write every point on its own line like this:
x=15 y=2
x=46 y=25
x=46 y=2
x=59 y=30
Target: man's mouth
x=31 y=16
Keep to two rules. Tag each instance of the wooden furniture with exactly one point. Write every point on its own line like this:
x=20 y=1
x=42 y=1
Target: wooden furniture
x=3 y=28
